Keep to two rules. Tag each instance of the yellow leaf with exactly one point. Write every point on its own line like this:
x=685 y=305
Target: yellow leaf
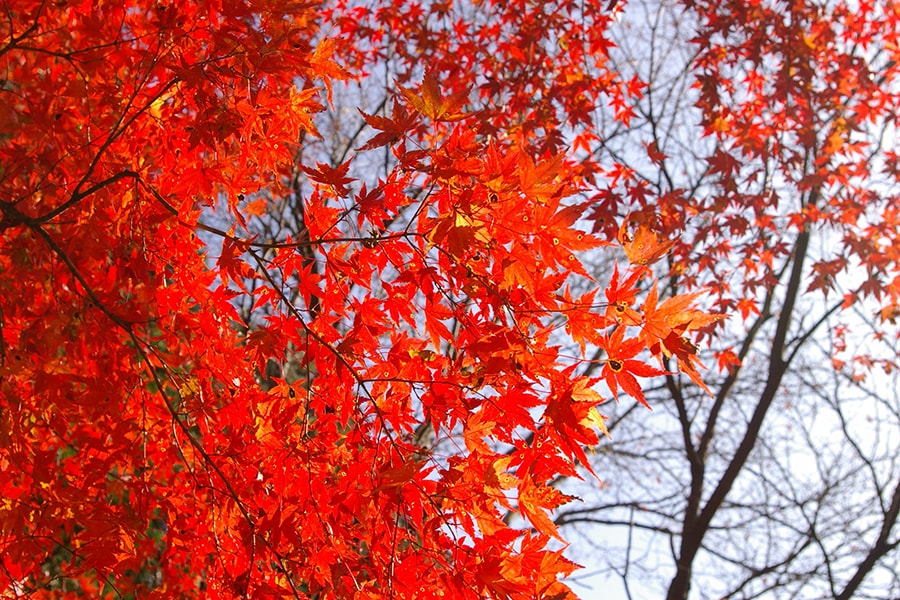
x=595 y=419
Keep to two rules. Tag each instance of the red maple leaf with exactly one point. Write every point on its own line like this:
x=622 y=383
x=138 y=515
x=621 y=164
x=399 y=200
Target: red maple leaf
x=621 y=369
x=335 y=177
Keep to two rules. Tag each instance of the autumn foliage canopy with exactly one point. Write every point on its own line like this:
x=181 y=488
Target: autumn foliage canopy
x=435 y=370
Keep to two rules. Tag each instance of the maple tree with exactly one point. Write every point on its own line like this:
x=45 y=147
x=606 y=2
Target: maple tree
x=202 y=396
x=299 y=299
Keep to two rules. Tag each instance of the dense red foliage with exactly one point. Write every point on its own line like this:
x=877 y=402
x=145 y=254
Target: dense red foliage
x=140 y=453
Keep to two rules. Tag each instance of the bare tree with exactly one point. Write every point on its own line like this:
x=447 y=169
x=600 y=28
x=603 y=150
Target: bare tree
x=784 y=480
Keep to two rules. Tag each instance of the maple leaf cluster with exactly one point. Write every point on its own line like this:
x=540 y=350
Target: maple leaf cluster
x=140 y=451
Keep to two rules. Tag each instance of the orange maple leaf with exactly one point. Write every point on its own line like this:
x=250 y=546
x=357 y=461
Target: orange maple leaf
x=621 y=296
x=674 y=315
x=430 y=101
x=643 y=246
x=535 y=499
x=665 y=328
